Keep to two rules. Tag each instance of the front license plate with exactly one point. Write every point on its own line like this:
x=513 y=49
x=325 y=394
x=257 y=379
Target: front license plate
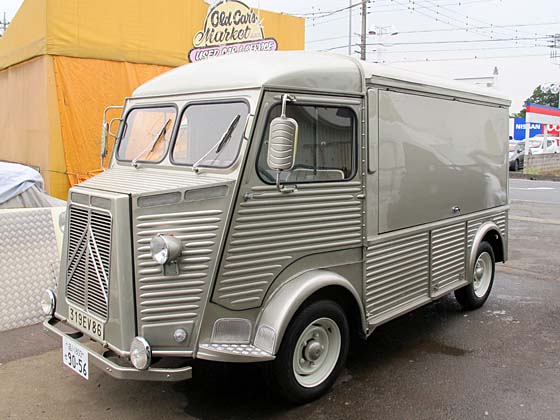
x=75 y=357
x=85 y=323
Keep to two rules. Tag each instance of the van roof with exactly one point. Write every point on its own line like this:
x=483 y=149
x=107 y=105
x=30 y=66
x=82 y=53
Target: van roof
x=300 y=70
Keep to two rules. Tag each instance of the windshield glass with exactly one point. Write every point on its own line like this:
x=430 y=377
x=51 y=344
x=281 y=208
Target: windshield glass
x=147 y=133
x=210 y=134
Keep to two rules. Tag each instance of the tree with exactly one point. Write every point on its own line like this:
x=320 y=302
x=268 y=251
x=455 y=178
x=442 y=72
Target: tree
x=540 y=97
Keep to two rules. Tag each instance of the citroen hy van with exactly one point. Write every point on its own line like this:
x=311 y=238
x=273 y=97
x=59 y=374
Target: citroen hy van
x=261 y=208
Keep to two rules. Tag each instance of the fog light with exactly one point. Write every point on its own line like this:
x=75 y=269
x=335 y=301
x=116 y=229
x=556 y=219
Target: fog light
x=140 y=353
x=180 y=335
x=48 y=302
x=165 y=248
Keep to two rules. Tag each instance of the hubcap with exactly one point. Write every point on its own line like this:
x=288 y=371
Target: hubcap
x=482 y=274
x=316 y=352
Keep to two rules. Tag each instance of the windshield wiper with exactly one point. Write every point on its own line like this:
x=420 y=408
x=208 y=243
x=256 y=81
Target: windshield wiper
x=219 y=146
x=152 y=145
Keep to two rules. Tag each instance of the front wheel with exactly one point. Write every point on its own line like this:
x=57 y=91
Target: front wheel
x=312 y=354
x=473 y=295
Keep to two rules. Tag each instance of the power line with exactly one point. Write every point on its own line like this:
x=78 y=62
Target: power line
x=550 y=37
x=319 y=15
x=311 y=23
x=417 y=31
x=466 y=16
x=451 y=21
x=470 y=58
x=462 y=49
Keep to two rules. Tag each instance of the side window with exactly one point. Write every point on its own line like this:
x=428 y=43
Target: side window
x=326 y=146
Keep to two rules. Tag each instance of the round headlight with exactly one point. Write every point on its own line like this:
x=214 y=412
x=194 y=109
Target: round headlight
x=48 y=302
x=165 y=248
x=140 y=353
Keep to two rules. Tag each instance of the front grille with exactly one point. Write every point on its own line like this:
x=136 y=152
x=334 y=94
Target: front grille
x=89 y=258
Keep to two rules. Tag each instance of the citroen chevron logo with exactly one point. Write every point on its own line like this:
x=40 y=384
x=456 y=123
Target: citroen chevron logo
x=97 y=262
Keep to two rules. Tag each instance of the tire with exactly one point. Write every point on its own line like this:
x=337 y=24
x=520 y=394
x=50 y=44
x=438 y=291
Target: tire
x=475 y=294
x=516 y=166
x=312 y=354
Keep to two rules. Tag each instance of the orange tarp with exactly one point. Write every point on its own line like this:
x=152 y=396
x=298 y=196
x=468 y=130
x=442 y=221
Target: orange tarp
x=84 y=88
x=29 y=121
x=63 y=61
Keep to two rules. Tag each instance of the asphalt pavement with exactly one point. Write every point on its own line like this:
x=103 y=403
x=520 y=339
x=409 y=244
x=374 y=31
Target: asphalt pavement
x=525 y=190
x=438 y=362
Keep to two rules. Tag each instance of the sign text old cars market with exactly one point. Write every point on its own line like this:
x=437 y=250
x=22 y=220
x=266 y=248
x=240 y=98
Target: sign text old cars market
x=230 y=27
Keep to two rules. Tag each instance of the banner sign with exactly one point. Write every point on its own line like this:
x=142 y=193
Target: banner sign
x=230 y=27
x=542 y=109
x=553 y=130
x=519 y=126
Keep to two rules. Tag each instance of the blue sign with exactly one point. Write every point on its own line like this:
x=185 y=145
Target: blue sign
x=519 y=126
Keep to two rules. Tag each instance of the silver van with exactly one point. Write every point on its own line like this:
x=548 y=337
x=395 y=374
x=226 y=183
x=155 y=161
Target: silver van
x=261 y=208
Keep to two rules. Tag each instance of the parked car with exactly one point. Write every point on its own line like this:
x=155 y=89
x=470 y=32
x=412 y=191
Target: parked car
x=537 y=146
x=516 y=155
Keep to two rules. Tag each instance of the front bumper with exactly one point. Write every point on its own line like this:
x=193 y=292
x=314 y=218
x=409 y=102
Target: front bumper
x=99 y=359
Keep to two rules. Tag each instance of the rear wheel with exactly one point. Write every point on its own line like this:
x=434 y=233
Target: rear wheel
x=312 y=354
x=473 y=295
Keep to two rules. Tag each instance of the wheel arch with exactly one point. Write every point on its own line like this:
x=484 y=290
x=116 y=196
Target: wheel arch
x=310 y=286
x=490 y=233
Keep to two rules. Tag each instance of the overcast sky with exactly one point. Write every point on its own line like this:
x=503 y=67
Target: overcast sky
x=440 y=37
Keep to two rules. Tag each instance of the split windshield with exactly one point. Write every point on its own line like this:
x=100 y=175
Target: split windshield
x=209 y=134
x=147 y=134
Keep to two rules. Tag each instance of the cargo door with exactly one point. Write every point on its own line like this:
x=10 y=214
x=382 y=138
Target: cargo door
x=439 y=158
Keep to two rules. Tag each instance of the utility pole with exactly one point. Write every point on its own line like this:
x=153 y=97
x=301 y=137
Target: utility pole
x=363 y=37
x=350 y=27
x=3 y=25
x=554 y=45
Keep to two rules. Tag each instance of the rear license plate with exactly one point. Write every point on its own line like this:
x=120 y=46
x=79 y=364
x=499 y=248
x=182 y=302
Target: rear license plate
x=85 y=323
x=75 y=357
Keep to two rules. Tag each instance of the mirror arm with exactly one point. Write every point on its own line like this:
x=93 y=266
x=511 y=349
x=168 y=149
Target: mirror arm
x=282 y=188
x=105 y=133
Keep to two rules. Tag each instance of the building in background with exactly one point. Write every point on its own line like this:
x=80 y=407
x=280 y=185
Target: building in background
x=63 y=61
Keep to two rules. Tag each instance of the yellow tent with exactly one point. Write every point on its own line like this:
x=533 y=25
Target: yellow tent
x=63 y=61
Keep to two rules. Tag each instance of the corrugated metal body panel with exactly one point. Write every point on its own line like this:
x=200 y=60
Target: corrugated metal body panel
x=89 y=259
x=129 y=180
x=448 y=256
x=397 y=273
x=473 y=225
x=273 y=229
x=177 y=298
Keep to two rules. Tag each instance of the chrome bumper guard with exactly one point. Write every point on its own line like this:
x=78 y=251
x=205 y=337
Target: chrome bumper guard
x=115 y=370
